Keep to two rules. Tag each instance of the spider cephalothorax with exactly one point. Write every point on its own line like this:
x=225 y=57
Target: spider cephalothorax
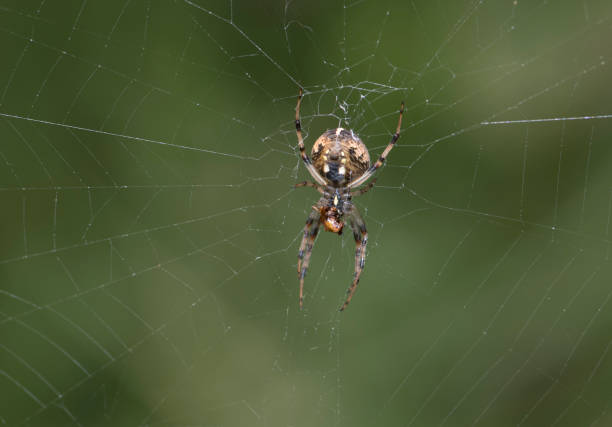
x=331 y=219
x=340 y=163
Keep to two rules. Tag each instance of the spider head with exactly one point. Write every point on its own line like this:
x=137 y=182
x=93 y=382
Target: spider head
x=332 y=219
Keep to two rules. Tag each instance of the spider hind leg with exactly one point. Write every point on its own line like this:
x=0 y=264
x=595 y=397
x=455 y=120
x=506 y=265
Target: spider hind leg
x=368 y=174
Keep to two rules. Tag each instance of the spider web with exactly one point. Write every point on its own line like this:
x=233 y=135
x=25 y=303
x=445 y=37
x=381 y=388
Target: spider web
x=150 y=228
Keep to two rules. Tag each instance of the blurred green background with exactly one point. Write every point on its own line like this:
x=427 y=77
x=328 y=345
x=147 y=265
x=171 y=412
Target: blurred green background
x=150 y=229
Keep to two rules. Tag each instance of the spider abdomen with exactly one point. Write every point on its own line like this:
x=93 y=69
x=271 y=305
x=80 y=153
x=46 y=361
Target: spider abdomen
x=340 y=156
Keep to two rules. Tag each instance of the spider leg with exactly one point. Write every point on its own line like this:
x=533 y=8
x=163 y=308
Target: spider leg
x=306 y=248
x=364 y=189
x=298 y=130
x=363 y=178
x=360 y=234
x=309 y=184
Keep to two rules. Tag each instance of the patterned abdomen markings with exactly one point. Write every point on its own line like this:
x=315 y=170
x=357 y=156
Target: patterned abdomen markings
x=340 y=156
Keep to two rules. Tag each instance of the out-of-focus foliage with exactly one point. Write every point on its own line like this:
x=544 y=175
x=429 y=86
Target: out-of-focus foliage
x=150 y=229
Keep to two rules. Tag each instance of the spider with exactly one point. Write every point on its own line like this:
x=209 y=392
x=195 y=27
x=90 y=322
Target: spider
x=340 y=163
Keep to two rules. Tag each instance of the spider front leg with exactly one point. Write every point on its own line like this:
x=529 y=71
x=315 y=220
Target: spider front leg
x=360 y=234
x=306 y=248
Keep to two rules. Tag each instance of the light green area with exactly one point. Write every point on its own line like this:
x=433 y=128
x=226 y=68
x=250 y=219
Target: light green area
x=150 y=229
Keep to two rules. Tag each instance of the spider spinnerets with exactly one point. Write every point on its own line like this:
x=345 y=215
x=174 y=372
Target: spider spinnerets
x=340 y=163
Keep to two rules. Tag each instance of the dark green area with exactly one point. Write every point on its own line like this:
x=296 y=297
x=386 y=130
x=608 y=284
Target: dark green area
x=150 y=229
